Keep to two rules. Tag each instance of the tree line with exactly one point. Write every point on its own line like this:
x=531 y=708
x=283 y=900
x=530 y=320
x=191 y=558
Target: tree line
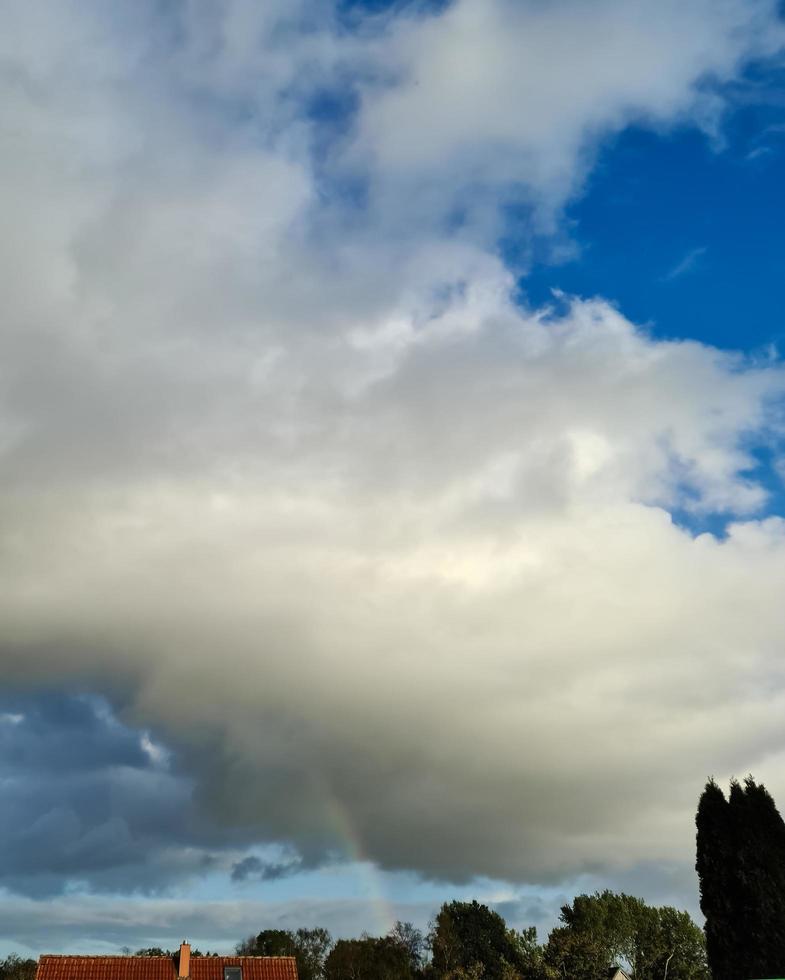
x=470 y=941
x=14 y=967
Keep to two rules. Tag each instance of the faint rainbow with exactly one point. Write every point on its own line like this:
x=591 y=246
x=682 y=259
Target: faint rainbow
x=343 y=827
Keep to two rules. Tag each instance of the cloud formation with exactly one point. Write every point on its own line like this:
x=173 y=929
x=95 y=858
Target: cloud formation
x=90 y=803
x=292 y=476
x=95 y=924
x=516 y=94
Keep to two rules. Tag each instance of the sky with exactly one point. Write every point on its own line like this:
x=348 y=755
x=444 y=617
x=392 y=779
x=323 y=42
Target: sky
x=391 y=456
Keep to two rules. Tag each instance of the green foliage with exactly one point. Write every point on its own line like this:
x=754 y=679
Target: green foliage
x=714 y=863
x=13 y=967
x=311 y=948
x=467 y=936
x=368 y=959
x=474 y=972
x=741 y=869
x=469 y=941
x=676 y=949
x=577 y=955
x=410 y=938
x=158 y=951
x=604 y=930
x=308 y=946
x=269 y=942
x=530 y=959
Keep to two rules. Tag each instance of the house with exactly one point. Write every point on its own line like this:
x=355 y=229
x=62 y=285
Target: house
x=184 y=967
x=618 y=974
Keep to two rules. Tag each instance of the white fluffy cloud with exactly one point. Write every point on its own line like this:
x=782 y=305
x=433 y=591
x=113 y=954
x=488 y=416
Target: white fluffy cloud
x=502 y=92
x=389 y=556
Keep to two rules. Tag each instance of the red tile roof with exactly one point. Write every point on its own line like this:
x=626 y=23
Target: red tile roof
x=254 y=967
x=162 y=967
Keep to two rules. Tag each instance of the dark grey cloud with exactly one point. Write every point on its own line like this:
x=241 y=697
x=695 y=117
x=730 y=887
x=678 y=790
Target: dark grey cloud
x=90 y=801
x=252 y=867
x=247 y=867
x=55 y=732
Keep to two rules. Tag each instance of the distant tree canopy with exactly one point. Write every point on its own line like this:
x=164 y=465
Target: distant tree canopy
x=470 y=941
x=159 y=951
x=531 y=956
x=13 y=967
x=741 y=870
x=468 y=937
x=605 y=930
x=308 y=946
x=411 y=939
x=269 y=942
x=368 y=958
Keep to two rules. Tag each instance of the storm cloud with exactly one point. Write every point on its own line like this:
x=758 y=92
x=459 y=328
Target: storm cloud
x=90 y=802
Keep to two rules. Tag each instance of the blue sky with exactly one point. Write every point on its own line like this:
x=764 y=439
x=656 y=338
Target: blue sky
x=683 y=234
x=391 y=396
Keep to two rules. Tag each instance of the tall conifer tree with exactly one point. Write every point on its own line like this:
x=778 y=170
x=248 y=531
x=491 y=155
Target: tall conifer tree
x=761 y=835
x=713 y=864
x=741 y=869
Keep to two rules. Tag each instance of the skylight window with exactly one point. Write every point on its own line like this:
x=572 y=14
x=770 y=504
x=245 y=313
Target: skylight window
x=233 y=973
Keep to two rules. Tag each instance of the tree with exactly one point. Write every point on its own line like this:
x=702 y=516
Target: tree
x=466 y=936
x=741 y=869
x=761 y=835
x=677 y=949
x=575 y=955
x=368 y=958
x=269 y=942
x=474 y=972
x=410 y=938
x=604 y=930
x=609 y=920
x=308 y=946
x=531 y=956
x=714 y=863
x=13 y=967
x=311 y=947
